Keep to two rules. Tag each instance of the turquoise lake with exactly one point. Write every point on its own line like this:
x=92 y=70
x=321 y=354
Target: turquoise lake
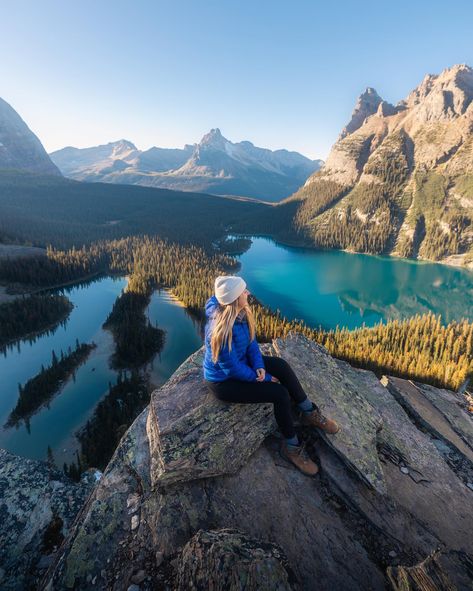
x=323 y=288
x=330 y=288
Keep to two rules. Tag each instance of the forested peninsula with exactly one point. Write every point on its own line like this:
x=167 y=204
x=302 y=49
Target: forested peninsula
x=41 y=388
x=28 y=316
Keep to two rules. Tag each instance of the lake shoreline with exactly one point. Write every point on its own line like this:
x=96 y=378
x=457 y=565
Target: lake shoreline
x=450 y=261
x=18 y=290
x=37 y=333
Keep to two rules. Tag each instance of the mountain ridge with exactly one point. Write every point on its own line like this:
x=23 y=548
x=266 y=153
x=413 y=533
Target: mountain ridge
x=399 y=179
x=213 y=165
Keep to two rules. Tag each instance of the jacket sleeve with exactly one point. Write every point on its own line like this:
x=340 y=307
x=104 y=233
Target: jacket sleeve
x=232 y=367
x=254 y=355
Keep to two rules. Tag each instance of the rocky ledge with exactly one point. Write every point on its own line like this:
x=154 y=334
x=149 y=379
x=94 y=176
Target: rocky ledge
x=38 y=505
x=196 y=495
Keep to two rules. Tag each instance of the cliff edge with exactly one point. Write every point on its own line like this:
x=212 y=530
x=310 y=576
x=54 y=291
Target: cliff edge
x=196 y=495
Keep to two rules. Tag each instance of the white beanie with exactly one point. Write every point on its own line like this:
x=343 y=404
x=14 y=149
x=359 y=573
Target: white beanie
x=228 y=288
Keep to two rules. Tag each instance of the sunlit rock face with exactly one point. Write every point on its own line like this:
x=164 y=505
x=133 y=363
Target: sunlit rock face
x=399 y=179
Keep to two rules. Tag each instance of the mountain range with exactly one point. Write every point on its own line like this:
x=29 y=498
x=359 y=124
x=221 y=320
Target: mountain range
x=399 y=179
x=214 y=165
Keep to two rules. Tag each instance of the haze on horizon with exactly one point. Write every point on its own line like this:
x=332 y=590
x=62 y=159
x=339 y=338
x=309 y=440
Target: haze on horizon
x=165 y=73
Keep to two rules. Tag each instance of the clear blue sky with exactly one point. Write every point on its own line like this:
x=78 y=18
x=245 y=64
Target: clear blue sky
x=282 y=74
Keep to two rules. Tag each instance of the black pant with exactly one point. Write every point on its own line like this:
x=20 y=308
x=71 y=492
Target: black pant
x=279 y=394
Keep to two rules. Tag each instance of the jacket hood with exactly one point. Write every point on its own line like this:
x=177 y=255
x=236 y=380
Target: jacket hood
x=211 y=306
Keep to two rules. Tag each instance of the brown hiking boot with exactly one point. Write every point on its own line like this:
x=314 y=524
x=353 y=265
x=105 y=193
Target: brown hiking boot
x=297 y=455
x=317 y=419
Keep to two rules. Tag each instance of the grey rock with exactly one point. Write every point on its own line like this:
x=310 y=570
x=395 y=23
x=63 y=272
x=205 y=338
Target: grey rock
x=348 y=520
x=45 y=562
x=192 y=434
x=139 y=577
x=450 y=423
x=159 y=558
x=135 y=521
x=228 y=560
x=132 y=503
x=451 y=406
x=31 y=497
x=425 y=496
x=102 y=532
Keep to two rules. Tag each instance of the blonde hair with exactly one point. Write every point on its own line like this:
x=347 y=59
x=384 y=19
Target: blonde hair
x=222 y=326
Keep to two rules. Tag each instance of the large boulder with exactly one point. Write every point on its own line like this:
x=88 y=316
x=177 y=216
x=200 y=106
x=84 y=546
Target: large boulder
x=193 y=435
x=387 y=495
x=227 y=559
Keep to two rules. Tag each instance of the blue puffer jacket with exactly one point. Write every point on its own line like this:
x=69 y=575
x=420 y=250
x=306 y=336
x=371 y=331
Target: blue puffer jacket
x=238 y=364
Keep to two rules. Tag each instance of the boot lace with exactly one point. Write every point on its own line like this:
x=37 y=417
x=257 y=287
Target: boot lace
x=320 y=417
x=302 y=451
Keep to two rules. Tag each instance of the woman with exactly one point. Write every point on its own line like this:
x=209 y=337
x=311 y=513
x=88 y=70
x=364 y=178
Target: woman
x=232 y=356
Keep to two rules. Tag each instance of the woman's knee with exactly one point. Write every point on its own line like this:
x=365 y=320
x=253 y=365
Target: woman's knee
x=281 y=394
x=272 y=360
x=277 y=365
x=283 y=363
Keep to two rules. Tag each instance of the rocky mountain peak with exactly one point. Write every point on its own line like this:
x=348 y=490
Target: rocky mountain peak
x=124 y=144
x=369 y=94
x=122 y=148
x=443 y=96
x=366 y=105
x=213 y=138
x=380 y=168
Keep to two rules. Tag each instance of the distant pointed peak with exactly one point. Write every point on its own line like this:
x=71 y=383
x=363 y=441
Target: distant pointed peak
x=124 y=144
x=369 y=92
x=213 y=138
x=370 y=97
x=213 y=133
x=366 y=105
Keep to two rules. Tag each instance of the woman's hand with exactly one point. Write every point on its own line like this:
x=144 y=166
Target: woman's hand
x=260 y=374
x=273 y=379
